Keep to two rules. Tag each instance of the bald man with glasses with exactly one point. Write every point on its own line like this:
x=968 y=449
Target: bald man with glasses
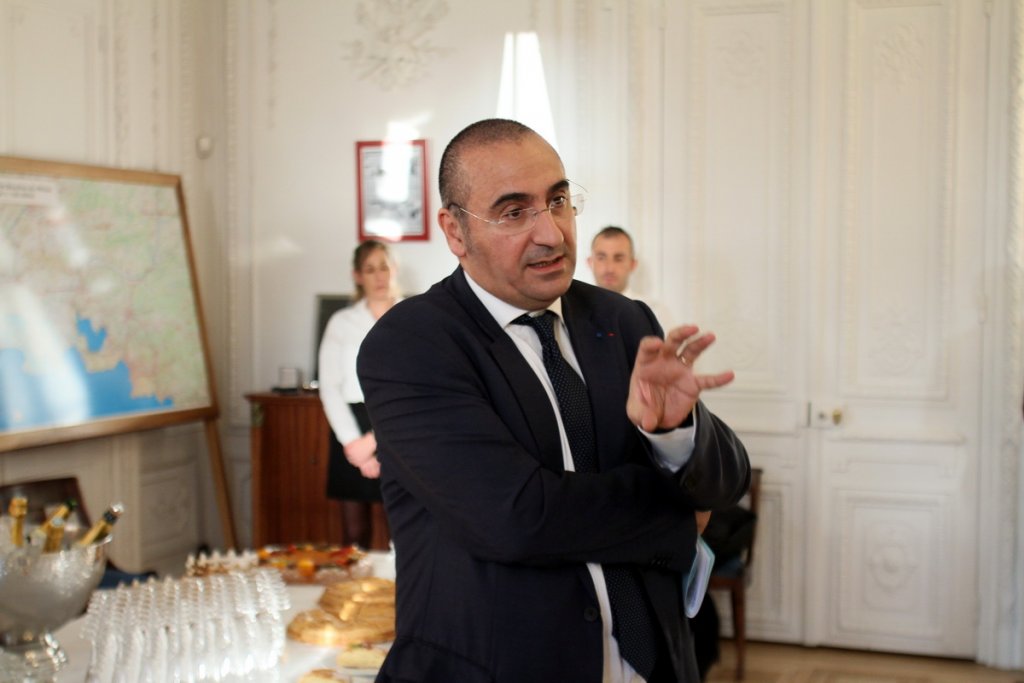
x=546 y=461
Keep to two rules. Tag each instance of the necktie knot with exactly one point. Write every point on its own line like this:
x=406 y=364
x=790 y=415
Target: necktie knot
x=544 y=324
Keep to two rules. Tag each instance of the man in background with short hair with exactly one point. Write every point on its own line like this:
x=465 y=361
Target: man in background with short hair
x=613 y=260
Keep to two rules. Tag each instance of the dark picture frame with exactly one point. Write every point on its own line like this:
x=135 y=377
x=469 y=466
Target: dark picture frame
x=326 y=306
x=391 y=183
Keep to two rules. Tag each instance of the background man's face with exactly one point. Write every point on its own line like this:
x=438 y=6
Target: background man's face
x=612 y=262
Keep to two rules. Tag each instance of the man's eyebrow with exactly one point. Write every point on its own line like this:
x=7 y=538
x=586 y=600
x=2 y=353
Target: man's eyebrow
x=510 y=197
x=524 y=197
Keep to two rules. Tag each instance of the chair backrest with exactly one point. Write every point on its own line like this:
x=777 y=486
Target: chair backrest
x=43 y=496
x=754 y=499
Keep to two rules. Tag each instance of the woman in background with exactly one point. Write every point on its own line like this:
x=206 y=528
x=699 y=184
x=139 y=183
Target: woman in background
x=353 y=471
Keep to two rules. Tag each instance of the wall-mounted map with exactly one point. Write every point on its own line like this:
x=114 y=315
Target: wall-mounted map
x=100 y=323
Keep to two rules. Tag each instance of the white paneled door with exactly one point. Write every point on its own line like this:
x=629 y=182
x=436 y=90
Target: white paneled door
x=832 y=176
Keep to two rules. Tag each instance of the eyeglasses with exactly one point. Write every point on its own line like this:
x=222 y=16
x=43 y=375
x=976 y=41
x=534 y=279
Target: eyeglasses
x=515 y=221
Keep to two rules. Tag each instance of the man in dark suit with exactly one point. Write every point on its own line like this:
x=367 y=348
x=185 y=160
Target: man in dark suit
x=535 y=545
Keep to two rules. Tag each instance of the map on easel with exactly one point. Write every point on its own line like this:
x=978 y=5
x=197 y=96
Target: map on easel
x=101 y=329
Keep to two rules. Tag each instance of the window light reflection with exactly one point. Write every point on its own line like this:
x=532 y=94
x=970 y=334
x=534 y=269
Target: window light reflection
x=523 y=92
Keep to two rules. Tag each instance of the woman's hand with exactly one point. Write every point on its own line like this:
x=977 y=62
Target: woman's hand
x=362 y=453
x=371 y=468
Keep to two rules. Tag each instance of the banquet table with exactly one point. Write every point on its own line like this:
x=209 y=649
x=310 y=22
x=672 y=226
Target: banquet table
x=297 y=659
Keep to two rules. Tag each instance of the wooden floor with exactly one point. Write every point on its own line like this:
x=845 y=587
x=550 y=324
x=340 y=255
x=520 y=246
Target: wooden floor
x=773 y=663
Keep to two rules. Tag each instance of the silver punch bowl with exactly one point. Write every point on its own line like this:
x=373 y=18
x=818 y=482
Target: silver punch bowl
x=39 y=593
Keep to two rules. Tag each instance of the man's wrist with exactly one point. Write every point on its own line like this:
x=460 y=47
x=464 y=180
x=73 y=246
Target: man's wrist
x=688 y=422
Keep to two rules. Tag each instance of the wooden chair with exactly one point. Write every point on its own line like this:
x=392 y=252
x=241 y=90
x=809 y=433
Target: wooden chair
x=734 y=575
x=43 y=496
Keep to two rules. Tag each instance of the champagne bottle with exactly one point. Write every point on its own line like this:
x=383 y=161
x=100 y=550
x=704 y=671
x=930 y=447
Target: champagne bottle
x=54 y=536
x=41 y=533
x=101 y=529
x=18 y=509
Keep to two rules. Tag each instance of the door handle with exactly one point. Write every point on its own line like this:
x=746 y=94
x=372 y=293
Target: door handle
x=821 y=415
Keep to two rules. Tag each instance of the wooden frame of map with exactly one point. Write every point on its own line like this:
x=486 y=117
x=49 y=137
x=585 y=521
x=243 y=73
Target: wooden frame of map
x=391 y=187
x=101 y=328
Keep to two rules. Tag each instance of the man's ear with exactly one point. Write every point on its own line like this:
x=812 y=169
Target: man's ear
x=590 y=262
x=452 y=230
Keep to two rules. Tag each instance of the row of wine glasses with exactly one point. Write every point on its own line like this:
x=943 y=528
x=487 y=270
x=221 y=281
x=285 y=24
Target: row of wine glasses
x=221 y=627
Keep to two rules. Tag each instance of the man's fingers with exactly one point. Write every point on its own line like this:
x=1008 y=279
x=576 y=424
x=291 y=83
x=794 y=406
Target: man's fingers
x=648 y=349
x=696 y=346
x=677 y=335
x=682 y=342
x=691 y=350
x=715 y=381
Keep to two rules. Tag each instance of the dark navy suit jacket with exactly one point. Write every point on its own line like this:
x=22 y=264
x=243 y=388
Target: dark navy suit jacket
x=491 y=534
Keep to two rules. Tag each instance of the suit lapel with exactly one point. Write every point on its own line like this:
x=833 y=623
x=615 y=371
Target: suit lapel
x=598 y=348
x=530 y=396
x=533 y=401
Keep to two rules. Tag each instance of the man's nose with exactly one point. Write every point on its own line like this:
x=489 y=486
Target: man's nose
x=547 y=230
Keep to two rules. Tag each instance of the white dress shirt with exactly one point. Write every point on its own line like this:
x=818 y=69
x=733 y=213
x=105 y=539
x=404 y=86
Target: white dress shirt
x=339 y=384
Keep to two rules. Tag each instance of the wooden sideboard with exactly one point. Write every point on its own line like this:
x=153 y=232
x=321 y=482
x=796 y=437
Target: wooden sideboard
x=289 y=449
x=289 y=471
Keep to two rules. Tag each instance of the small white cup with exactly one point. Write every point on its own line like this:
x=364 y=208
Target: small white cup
x=289 y=377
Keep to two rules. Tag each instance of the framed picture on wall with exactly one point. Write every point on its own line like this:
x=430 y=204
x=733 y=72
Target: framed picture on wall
x=391 y=178
x=326 y=306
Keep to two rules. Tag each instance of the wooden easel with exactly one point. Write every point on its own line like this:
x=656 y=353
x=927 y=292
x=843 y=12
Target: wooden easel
x=169 y=188
x=227 y=518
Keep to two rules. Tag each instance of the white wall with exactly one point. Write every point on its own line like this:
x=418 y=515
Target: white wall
x=306 y=108
x=120 y=84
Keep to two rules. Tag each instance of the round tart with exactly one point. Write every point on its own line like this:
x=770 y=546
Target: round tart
x=309 y=556
x=355 y=611
x=337 y=595
x=361 y=657
x=321 y=675
x=318 y=627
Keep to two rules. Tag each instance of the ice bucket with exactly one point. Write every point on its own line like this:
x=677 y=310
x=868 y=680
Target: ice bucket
x=39 y=593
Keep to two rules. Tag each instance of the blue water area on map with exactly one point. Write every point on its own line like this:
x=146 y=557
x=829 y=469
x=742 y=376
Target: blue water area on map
x=93 y=338
x=67 y=393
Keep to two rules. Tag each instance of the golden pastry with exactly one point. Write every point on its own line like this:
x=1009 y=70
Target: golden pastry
x=321 y=675
x=361 y=657
x=318 y=627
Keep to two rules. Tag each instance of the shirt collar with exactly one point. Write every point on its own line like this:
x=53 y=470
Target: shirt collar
x=502 y=312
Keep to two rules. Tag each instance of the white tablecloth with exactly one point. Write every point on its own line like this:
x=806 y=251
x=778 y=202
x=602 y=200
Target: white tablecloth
x=297 y=659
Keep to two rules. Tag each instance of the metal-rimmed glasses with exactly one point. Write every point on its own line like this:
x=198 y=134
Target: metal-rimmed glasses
x=515 y=221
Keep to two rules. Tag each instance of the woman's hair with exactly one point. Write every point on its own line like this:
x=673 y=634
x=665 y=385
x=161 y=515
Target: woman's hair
x=363 y=252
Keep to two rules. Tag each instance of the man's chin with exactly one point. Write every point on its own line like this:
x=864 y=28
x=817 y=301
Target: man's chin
x=551 y=288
